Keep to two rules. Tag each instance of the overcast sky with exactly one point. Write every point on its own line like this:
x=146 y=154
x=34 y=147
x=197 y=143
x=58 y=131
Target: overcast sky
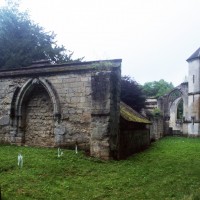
x=152 y=37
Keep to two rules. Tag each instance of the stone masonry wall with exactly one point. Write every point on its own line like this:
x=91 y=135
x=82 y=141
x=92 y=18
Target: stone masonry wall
x=62 y=105
x=74 y=92
x=38 y=119
x=157 y=128
x=7 y=88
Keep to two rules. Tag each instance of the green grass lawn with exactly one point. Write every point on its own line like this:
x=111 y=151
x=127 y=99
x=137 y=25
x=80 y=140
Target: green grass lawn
x=169 y=169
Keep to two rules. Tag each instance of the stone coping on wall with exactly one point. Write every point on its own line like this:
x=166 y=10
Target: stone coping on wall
x=59 y=68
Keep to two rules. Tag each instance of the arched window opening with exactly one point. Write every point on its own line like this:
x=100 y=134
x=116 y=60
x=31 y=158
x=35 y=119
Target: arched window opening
x=175 y=94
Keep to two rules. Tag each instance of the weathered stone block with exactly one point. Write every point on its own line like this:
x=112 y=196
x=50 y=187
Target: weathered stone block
x=5 y=120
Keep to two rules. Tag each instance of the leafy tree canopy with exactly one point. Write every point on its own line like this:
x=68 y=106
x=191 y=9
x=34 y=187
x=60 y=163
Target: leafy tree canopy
x=132 y=94
x=23 y=41
x=156 y=89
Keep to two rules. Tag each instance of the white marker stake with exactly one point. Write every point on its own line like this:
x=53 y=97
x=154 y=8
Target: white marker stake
x=20 y=160
x=60 y=153
x=76 y=148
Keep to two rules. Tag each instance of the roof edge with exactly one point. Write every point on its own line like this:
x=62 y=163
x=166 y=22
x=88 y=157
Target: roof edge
x=194 y=56
x=46 y=68
x=35 y=65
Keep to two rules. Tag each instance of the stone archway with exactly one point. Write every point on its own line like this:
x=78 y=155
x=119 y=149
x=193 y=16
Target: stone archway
x=168 y=105
x=174 y=123
x=35 y=113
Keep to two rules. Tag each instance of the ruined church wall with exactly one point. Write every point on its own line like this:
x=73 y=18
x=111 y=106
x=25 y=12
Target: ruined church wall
x=74 y=93
x=88 y=97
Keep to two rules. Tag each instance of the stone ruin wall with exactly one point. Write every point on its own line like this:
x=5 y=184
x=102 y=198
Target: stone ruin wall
x=38 y=128
x=88 y=95
x=157 y=128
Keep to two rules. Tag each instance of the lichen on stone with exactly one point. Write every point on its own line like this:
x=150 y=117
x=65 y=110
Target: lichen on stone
x=131 y=115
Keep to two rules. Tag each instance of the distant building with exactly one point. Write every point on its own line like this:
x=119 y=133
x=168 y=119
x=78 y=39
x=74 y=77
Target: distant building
x=151 y=104
x=181 y=106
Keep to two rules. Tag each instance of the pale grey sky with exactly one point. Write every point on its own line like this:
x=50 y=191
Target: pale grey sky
x=152 y=37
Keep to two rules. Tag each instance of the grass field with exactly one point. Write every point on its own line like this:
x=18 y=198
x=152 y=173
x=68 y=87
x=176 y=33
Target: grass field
x=169 y=169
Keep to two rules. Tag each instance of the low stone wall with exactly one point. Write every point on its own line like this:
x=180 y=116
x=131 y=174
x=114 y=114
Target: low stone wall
x=156 y=128
x=62 y=105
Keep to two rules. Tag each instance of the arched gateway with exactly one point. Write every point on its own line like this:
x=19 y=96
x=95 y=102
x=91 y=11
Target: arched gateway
x=174 y=106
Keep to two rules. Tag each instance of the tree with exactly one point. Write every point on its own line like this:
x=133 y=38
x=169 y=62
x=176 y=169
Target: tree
x=156 y=89
x=23 y=41
x=132 y=94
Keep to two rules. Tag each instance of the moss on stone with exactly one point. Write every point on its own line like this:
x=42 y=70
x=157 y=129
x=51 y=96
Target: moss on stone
x=131 y=115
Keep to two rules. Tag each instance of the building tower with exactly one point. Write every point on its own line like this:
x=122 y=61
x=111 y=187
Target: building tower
x=194 y=94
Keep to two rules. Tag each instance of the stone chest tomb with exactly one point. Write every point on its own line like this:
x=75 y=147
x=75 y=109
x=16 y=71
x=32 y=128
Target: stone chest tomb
x=62 y=105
